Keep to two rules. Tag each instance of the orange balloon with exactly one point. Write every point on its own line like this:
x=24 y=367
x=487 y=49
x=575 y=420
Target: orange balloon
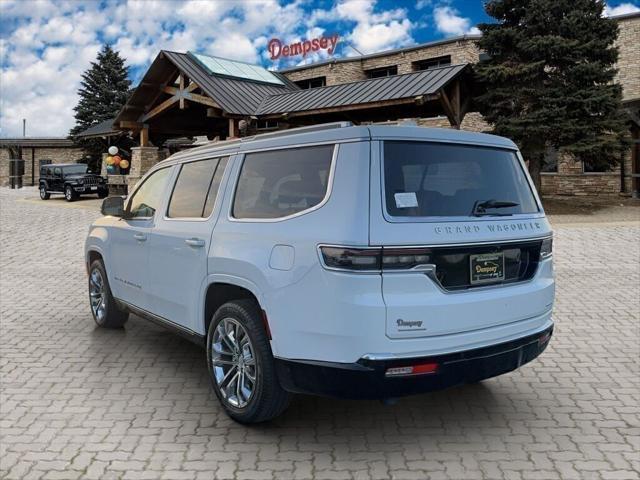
x=117 y=160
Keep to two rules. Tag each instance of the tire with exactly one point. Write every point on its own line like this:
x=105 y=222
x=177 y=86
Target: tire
x=69 y=194
x=44 y=195
x=242 y=320
x=104 y=309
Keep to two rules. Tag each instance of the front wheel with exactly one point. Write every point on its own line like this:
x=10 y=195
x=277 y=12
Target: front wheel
x=241 y=365
x=44 y=195
x=69 y=194
x=103 y=306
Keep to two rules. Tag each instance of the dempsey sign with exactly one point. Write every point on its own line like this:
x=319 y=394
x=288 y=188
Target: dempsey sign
x=304 y=47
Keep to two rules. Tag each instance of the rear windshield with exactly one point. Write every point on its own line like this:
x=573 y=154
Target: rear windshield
x=440 y=180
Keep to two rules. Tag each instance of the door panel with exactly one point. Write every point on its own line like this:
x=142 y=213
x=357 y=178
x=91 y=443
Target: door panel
x=181 y=239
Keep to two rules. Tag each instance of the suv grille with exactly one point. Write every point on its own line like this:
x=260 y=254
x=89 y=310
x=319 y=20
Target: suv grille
x=452 y=263
x=90 y=180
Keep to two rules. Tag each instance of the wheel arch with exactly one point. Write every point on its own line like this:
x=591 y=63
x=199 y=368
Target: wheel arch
x=223 y=290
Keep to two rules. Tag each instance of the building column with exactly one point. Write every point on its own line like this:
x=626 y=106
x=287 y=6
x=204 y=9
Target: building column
x=142 y=159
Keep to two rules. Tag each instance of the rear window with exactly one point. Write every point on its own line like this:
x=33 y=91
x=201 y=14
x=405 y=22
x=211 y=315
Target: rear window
x=280 y=183
x=440 y=180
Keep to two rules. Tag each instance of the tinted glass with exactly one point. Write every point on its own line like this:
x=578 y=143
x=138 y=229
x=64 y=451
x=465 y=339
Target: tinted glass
x=282 y=182
x=148 y=197
x=75 y=169
x=215 y=186
x=430 y=179
x=191 y=190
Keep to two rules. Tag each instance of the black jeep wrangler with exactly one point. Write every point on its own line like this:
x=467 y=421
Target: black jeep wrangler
x=71 y=179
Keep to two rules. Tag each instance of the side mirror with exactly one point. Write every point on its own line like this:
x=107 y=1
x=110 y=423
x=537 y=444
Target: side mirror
x=113 y=206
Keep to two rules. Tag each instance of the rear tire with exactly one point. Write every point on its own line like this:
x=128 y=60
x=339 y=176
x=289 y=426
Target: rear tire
x=44 y=195
x=69 y=194
x=241 y=365
x=104 y=309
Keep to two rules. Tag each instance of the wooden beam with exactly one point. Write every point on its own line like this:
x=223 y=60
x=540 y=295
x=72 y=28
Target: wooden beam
x=456 y=102
x=159 y=109
x=130 y=124
x=448 y=109
x=181 y=96
x=196 y=97
x=233 y=128
x=144 y=136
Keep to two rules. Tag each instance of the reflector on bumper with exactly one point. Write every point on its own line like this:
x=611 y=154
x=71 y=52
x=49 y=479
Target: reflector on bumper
x=420 y=369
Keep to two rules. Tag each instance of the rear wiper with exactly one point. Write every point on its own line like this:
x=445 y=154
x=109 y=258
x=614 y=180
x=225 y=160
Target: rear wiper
x=480 y=207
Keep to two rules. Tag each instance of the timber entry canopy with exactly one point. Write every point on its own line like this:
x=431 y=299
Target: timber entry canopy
x=189 y=94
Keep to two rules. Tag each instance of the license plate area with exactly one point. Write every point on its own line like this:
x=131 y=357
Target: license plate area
x=94 y=188
x=486 y=268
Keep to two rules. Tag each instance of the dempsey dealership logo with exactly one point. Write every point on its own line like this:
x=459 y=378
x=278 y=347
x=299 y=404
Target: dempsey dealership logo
x=304 y=47
x=409 y=324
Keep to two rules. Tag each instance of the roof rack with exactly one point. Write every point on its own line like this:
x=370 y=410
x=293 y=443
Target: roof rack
x=295 y=131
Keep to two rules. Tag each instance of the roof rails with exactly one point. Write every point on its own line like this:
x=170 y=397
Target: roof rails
x=295 y=131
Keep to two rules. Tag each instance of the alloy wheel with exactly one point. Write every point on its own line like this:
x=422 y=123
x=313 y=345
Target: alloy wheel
x=234 y=363
x=97 y=295
x=43 y=192
x=68 y=194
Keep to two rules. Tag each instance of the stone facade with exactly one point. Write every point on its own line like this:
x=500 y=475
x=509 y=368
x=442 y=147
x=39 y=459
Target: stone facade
x=629 y=57
x=142 y=159
x=461 y=50
x=32 y=157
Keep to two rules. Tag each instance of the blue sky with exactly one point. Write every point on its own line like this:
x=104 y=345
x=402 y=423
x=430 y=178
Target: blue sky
x=45 y=45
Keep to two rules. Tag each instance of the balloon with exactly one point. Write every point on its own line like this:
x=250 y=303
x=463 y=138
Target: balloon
x=113 y=150
x=116 y=160
x=109 y=160
x=124 y=164
x=111 y=169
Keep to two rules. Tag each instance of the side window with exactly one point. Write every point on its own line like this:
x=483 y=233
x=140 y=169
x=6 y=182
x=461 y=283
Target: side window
x=147 y=198
x=192 y=195
x=57 y=171
x=280 y=183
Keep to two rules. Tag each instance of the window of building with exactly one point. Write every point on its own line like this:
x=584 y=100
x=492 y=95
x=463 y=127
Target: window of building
x=592 y=167
x=312 y=82
x=196 y=189
x=432 y=63
x=550 y=160
x=146 y=199
x=280 y=183
x=382 y=72
x=267 y=125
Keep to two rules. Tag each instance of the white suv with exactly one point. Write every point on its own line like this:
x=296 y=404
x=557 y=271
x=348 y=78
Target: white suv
x=350 y=261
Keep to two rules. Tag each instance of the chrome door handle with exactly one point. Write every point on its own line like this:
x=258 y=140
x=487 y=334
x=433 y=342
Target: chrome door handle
x=141 y=237
x=194 y=242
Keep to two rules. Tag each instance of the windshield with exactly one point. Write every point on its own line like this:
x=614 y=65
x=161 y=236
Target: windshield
x=75 y=169
x=441 y=180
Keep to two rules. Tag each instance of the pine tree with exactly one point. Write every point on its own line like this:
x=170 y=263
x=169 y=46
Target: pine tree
x=103 y=91
x=549 y=79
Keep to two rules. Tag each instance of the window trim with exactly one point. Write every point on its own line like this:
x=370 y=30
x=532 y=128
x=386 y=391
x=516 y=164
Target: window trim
x=451 y=219
x=166 y=216
x=325 y=199
x=127 y=210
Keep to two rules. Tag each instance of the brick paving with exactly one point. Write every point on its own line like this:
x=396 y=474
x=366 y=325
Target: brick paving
x=79 y=402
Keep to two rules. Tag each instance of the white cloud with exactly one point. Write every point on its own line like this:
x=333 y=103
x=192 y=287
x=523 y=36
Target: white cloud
x=46 y=45
x=621 y=9
x=449 y=22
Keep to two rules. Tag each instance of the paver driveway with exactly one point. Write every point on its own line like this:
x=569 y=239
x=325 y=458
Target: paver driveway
x=78 y=402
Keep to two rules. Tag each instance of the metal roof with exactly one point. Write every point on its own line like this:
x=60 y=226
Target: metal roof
x=234 y=95
x=103 y=129
x=410 y=85
x=37 y=142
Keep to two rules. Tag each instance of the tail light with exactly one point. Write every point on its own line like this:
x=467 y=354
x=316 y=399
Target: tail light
x=374 y=259
x=546 y=249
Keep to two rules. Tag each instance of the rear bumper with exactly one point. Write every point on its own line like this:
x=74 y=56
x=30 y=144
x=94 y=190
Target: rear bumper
x=366 y=378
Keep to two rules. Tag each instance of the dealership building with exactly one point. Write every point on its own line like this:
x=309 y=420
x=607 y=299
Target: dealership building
x=186 y=98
